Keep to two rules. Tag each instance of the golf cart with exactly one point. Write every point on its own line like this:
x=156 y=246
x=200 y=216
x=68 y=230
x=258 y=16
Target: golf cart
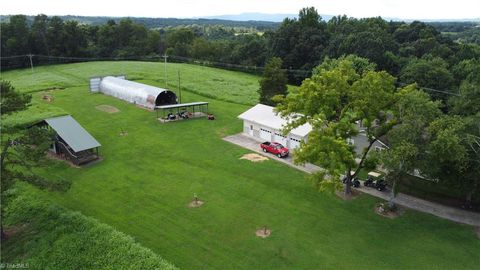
x=355 y=181
x=376 y=181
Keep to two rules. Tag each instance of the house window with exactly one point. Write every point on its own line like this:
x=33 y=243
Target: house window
x=251 y=127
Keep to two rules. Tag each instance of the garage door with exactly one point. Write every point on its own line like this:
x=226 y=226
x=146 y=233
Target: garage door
x=294 y=143
x=265 y=134
x=280 y=139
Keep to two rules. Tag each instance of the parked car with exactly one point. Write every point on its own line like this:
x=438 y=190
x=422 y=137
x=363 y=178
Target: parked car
x=275 y=148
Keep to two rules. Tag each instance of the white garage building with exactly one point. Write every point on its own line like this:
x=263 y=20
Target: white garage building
x=263 y=124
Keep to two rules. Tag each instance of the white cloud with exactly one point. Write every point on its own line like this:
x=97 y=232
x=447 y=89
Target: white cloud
x=408 y=9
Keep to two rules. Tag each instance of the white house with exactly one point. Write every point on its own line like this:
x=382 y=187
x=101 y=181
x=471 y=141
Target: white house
x=262 y=123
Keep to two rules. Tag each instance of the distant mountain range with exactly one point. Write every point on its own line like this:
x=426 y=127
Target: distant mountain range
x=325 y=17
x=252 y=17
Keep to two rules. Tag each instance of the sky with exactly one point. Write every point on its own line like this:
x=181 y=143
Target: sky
x=403 y=9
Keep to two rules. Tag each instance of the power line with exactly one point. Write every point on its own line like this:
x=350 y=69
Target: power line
x=13 y=56
x=433 y=90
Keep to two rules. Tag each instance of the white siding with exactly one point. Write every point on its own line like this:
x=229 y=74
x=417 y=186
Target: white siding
x=294 y=142
x=278 y=137
x=133 y=92
x=266 y=134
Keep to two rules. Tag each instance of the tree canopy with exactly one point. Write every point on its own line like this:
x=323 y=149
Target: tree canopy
x=21 y=149
x=273 y=82
x=340 y=94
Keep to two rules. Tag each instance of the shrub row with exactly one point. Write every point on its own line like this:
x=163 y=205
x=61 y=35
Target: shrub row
x=50 y=237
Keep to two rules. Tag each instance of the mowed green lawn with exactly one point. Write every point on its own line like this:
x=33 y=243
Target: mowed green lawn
x=212 y=82
x=145 y=181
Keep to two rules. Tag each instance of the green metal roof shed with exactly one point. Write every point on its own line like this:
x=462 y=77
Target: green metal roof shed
x=72 y=133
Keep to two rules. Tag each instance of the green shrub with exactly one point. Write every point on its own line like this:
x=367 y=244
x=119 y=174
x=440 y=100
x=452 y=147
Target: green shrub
x=370 y=163
x=55 y=238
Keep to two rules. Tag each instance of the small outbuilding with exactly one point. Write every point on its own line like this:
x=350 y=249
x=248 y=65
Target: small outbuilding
x=133 y=92
x=263 y=123
x=72 y=141
x=181 y=111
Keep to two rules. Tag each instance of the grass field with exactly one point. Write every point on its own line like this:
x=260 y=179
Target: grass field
x=146 y=179
x=211 y=82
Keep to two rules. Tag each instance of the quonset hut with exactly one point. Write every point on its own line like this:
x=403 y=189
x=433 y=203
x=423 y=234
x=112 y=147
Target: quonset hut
x=133 y=92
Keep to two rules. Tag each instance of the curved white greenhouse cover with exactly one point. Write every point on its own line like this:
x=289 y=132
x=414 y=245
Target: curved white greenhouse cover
x=137 y=93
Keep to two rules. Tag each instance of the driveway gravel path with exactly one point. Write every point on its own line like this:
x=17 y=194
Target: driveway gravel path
x=446 y=212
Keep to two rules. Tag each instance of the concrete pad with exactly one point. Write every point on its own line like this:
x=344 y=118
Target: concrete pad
x=251 y=143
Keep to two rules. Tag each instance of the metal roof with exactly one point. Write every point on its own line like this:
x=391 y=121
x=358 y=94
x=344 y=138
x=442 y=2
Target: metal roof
x=172 y=106
x=265 y=115
x=133 y=92
x=72 y=133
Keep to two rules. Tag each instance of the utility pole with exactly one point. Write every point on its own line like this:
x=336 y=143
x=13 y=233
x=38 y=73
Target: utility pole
x=31 y=62
x=165 y=56
x=179 y=88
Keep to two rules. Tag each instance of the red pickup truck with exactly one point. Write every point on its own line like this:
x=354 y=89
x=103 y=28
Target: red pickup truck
x=274 y=148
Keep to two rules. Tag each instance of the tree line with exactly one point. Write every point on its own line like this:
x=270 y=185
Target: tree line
x=412 y=52
x=341 y=93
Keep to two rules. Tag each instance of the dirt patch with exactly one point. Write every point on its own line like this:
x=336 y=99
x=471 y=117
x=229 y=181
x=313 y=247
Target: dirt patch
x=107 y=108
x=47 y=98
x=195 y=203
x=54 y=156
x=263 y=232
x=143 y=107
x=253 y=157
x=382 y=210
x=341 y=194
x=49 y=89
x=477 y=230
x=13 y=230
x=222 y=132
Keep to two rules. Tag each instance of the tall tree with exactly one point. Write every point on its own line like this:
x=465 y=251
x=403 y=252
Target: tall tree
x=273 y=81
x=107 y=38
x=38 y=35
x=300 y=43
x=333 y=100
x=468 y=102
x=15 y=36
x=21 y=149
x=56 y=36
x=367 y=38
x=453 y=154
x=413 y=111
x=399 y=161
x=75 y=39
x=431 y=72
x=179 y=41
